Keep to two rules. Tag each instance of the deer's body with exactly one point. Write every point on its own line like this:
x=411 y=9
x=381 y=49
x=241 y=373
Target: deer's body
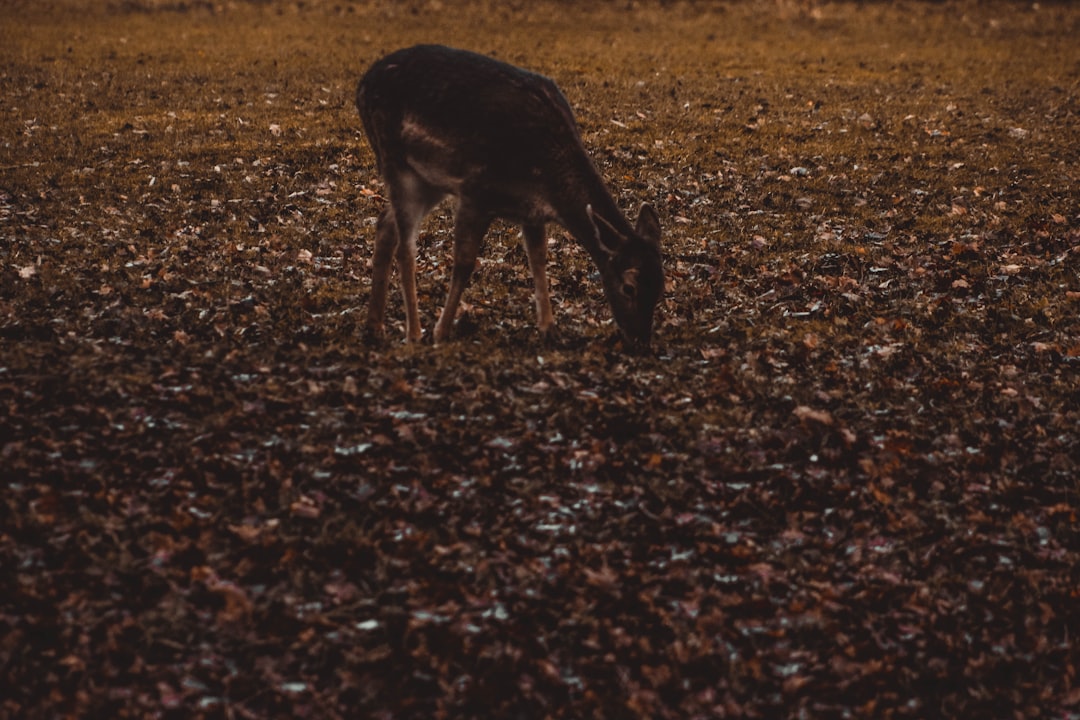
x=504 y=143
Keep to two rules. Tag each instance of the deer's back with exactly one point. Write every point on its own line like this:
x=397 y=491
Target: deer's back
x=469 y=114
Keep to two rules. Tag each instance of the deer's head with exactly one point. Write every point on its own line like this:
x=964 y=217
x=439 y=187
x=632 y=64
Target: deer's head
x=633 y=277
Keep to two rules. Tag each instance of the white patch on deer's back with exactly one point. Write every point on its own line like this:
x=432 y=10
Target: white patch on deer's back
x=435 y=174
x=429 y=154
x=414 y=131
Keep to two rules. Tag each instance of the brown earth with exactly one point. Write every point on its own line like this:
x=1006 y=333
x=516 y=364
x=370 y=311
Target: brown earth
x=845 y=485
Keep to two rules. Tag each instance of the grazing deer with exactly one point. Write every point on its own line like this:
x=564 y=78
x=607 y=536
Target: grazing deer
x=504 y=143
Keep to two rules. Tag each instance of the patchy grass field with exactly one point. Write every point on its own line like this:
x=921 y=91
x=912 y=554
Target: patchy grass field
x=846 y=485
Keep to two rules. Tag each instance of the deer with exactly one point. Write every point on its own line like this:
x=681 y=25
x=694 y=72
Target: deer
x=503 y=143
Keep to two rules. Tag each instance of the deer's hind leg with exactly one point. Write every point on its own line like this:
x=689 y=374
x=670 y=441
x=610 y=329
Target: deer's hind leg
x=395 y=237
x=386 y=240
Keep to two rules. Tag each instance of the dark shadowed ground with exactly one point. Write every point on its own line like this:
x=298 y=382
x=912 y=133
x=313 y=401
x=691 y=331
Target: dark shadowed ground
x=846 y=485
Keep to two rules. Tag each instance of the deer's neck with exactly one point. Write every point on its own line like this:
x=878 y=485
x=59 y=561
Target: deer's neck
x=586 y=190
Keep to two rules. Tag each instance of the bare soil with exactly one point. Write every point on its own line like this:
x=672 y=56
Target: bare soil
x=844 y=485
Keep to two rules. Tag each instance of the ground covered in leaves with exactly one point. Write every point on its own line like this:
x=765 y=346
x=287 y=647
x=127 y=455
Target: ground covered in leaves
x=845 y=484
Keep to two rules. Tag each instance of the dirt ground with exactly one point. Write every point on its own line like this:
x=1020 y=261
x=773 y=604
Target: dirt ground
x=845 y=484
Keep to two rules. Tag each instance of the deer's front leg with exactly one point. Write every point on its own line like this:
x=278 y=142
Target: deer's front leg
x=536 y=249
x=469 y=229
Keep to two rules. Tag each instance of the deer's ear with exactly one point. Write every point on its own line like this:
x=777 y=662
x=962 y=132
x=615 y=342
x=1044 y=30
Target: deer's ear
x=648 y=224
x=592 y=221
x=596 y=221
